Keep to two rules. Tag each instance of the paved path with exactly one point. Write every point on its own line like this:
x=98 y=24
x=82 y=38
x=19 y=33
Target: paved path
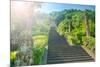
x=60 y=52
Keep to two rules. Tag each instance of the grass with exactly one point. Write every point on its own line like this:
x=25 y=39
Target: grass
x=13 y=55
x=13 y=58
x=90 y=41
x=39 y=44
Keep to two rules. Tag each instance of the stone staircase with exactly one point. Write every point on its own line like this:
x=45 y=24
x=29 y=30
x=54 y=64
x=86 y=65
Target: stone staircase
x=60 y=52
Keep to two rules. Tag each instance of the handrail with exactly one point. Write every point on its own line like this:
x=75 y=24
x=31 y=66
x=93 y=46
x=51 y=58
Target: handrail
x=91 y=51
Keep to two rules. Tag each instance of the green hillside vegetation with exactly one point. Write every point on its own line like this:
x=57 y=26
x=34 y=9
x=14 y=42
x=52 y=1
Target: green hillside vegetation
x=40 y=40
x=39 y=44
x=77 y=26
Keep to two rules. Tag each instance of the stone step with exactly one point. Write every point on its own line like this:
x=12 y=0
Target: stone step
x=61 y=46
x=66 y=55
x=65 y=50
x=69 y=60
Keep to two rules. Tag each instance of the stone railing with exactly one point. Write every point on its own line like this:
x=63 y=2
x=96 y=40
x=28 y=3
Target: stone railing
x=90 y=51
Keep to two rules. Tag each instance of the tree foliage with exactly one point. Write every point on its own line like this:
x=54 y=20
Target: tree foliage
x=75 y=24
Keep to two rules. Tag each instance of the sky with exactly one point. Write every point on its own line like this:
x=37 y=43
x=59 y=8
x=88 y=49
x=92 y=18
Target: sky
x=49 y=7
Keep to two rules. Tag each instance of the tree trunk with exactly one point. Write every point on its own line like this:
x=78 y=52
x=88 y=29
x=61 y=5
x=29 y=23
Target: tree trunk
x=69 y=26
x=87 y=25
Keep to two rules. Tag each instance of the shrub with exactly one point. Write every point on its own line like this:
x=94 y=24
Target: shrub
x=39 y=44
x=89 y=41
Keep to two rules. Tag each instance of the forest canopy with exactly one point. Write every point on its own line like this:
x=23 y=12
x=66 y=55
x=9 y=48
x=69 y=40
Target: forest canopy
x=77 y=26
